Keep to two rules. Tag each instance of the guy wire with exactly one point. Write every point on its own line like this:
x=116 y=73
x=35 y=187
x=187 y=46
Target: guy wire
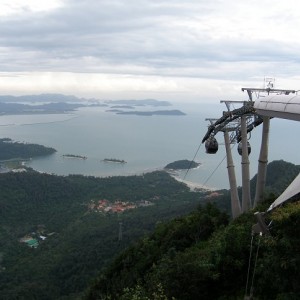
x=192 y=161
x=213 y=172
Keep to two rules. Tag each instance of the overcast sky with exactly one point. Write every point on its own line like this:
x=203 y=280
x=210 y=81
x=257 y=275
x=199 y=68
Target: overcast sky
x=190 y=50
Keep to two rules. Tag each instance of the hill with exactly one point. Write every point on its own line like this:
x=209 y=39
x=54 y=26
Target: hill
x=44 y=104
x=42 y=98
x=182 y=165
x=174 y=112
x=80 y=224
x=201 y=256
x=76 y=221
x=279 y=175
x=144 y=102
x=16 y=150
x=205 y=255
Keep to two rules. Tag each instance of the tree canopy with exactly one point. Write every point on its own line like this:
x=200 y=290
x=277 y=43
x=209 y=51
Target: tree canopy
x=16 y=150
x=202 y=256
x=182 y=164
x=171 y=248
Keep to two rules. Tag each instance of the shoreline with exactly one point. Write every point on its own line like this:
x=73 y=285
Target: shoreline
x=114 y=160
x=74 y=156
x=193 y=186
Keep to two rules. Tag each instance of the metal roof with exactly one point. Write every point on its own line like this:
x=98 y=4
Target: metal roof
x=279 y=106
x=284 y=106
x=292 y=190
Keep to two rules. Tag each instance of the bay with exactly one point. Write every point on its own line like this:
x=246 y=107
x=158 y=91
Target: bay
x=145 y=143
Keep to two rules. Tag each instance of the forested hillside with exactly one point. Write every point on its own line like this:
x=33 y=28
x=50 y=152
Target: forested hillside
x=204 y=255
x=279 y=175
x=15 y=150
x=75 y=240
x=57 y=233
x=200 y=256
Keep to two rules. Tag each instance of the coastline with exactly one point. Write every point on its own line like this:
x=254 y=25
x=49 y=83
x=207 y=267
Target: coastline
x=74 y=156
x=114 y=160
x=192 y=185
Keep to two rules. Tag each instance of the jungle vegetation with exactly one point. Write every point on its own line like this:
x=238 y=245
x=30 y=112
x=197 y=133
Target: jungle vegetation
x=182 y=165
x=179 y=247
x=79 y=242
x=10 y=149
x=205 y=256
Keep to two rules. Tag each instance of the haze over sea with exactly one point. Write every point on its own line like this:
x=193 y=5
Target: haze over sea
x=146 y=143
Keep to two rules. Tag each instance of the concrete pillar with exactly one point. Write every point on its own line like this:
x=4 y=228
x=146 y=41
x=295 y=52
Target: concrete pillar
x=246 y=196
x=235 y=201
x=262 y=162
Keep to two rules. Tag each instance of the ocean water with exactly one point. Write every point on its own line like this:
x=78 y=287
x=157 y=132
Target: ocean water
x=146 y=143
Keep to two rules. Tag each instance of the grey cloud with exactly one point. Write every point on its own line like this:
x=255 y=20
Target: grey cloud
x=110 y=36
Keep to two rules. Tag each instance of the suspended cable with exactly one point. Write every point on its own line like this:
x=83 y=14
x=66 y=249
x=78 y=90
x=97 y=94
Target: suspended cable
x=213 y=172
x=251 y=288
x=233 y=138
x=192 y=161
x=249 y=264
x=254 y=269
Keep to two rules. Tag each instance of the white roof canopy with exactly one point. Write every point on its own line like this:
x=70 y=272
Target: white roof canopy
x=285 y=107
x=279 y=106
x=292 y=190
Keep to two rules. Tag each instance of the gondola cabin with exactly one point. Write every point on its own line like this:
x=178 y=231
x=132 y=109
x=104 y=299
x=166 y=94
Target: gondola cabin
x=240 y=148
x=211 y=145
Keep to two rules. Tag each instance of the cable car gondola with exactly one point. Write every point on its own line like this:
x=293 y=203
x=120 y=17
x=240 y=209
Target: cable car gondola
x=240 y=148
x=211 y=145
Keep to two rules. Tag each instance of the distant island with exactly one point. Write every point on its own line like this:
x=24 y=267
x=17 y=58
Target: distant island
x=44 y=104
x=143 y=102
x=123 y=106
x=51 y=97
x=10 y=149
x=58 y=104
x=173 y=112
x=117 y=107
x=47 y=108
x=121 y=161
x=74 y=156
x=182 y=165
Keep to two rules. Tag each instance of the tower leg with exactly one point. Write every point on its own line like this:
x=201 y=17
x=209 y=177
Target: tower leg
x=235 y=201
x=262 y=162
x=246 y=197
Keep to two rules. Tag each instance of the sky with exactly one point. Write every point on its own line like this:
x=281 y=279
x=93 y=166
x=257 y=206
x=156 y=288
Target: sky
x=192 y=50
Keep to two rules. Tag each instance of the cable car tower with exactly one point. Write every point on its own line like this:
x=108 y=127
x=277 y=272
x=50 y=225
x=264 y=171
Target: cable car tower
x=234 y=124
x=240 y=122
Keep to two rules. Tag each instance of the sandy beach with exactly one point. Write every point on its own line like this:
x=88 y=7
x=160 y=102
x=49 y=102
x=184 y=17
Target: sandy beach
x=192 y=185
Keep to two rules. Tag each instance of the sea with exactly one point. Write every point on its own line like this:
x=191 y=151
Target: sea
x=146 y=143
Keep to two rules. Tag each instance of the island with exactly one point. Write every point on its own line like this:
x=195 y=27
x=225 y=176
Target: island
x=173 y=112
x=44 y=104
x=121 y=161
x=123 y=106
x=182 y=165
x=143 y=102
x=74 y=156
x=10 y=149
x=14 y=154
x=119 y=106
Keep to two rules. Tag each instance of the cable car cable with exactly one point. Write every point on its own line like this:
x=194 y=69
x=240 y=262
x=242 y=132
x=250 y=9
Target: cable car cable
x=216 y=167
x=254 y=268
x=249 y=264
x=251 y=288
x=192 y=161
x=214 y=171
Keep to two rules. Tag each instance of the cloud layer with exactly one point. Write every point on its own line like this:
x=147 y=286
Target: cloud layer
x=147 y=45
